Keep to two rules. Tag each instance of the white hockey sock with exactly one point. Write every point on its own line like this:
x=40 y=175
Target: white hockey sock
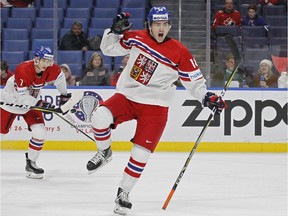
x=35 y=147
x=135 y=167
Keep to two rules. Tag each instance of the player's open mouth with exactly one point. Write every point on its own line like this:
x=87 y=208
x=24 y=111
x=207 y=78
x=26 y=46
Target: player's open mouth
x=160 y=35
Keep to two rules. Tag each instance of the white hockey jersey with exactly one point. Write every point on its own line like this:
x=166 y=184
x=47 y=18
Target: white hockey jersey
x=153 y=67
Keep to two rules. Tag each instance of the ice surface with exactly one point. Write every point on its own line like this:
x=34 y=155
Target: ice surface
x=215 y=184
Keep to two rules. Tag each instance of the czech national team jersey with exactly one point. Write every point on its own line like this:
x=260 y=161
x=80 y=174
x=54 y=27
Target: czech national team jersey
x=24 y=87
x=153 y=67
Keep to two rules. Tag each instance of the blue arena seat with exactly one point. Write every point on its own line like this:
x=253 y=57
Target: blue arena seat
x=63 y=31
x=137 y=23
x=76 y=69
x=42 y=33
x=78 y=13
x=276 y=20
x=277 y=31
x=223 y=30
x=104 y=13
x=255 y=42
x=100 y=23
x=26 y=12
x=106 y=59
x=46 y=23
x=14 y=57
x=256 y=54
x=42 y=42
x=134 y=4
x=15 y=34
x=19 y=23
x=49 y=13
x=274 y=10
x=60 y=4
x=95 y=31
x=242 y=8
x=70 y=57
x=136 y=13
x=16 y=45
x=108 y=4
x=81 y=3
x=5 y=13
x=253 y=31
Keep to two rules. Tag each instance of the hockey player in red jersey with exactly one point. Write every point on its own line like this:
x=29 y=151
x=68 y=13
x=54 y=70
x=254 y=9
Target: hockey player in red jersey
x=144 y=92
x=24 y=88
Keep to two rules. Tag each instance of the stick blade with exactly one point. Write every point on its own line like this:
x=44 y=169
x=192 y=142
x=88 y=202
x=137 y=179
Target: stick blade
x=233 y=48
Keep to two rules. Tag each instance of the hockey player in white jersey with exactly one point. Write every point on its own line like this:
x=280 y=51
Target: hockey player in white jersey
x=144 y=92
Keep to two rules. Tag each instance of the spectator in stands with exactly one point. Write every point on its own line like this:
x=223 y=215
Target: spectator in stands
x=240 y=79
x=283 y=80
x=70 y=79
x=228 y=16
x=95 y=74
x=17 y=3
x=265 y=78
x=269 y=2
x=75 y=39
x=116 y=74
x=5 y=73
x=252 y=18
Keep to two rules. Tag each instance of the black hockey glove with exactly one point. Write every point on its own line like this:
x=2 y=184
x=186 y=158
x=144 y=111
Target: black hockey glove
x=211 y=100
x=45 y=105
x=121 y=23
x=64 y=98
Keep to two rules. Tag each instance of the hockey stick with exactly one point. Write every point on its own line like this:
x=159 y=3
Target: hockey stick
x=235 y=52
x=76 y=97
x=64 y=119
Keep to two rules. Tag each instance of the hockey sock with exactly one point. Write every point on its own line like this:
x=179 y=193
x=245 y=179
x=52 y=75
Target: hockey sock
x=36 y=142
x=102 y=137
x=135 y=167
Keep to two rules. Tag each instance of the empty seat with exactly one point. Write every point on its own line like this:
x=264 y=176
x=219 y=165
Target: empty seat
x=14 y=57
x=107 y=4
x=137 y=23
x=68 y=22
x=274 y=10
x=70 y=57
x=104 y=13
x=4 y=14
x=19 y=23
x=278 y=43
x=134 y=3
x=224 y=30
x=78 y=12
x=240 y=2
x=26 y=12
x=76 y=69
x=276 y=20
x=49 y=13
x=135 y=13
x=16 y=45
x=42 y=42
x=60 y=4
x=100 y=23
x=81 y=3
x=46 y=23
x=95 y=31
x=253 y=31
x=253 y=42
x=42 y=33
x=277 y=31
x=256 y=54
x=15 y=34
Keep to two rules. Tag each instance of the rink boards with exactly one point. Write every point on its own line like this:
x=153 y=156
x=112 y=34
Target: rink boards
x=255 y=121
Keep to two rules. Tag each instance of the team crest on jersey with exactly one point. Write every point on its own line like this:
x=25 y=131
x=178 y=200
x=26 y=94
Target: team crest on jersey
x=84 y=108
x=143 y=69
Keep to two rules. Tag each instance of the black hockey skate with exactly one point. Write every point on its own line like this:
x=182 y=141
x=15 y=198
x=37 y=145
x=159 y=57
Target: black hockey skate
x=100 y=159
x=32 y=170
x=123 y=205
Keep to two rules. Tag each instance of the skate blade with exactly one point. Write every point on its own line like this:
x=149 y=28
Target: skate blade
x=103 y=164
x=32 y=175
x=120 y=210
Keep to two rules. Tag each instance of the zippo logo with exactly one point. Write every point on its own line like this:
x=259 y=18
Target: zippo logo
x=281 y=114
x=84 y=108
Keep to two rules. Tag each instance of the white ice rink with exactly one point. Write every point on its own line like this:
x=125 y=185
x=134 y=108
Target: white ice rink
x=215 y=184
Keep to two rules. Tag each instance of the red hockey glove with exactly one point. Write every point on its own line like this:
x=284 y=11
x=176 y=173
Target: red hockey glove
x=121 y=23
x=64 y=98
x=211 y=100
